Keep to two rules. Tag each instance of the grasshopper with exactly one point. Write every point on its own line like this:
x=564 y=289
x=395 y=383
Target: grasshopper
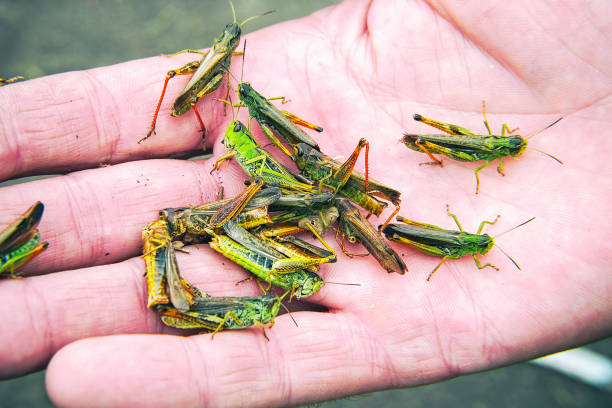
x=225 y=313
x=19 y=242
x=207 y=74
x=6 y=81
x=192 y=221
x=273 y=120
x=449 y=244
x=464 y=145
x=256 y=161
x=162 y=270
x=358 y=187
x=356 y=228
x=158 y=251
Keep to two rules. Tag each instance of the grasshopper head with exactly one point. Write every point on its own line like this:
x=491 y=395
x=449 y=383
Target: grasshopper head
x=229 y=39
x=235 y=131
x=245 y=92
x=301 y=152
x=308 y=284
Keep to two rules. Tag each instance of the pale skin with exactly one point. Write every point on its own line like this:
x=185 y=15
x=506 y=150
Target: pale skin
x=357 y=69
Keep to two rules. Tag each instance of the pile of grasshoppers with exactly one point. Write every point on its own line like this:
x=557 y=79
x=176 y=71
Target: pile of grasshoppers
x=256 y=229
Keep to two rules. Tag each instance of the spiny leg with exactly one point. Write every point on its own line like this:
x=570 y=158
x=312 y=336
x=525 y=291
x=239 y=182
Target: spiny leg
x=382 y=227
x=227 y=316
x=187 y=69
x=485 y=265
x=435 y=162
x=445 y=127
x=344 y=172
x=210 y=86
x=263 y=328
x=299 y=121
x=500 y=168
x=476 y=173
x=455 y=218
x=482 y=224
x=219 y=162
x=270 y=135
x=343 y=247
x=505 y=127
x=436 y=268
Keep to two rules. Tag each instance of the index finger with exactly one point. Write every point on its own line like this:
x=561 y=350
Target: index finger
x=81 y=119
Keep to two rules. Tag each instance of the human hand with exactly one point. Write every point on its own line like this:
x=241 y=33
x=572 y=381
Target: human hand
x=357 y=69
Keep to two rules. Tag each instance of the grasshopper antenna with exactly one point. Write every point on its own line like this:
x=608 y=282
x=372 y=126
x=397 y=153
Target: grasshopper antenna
x=508 y=256
x=243 y=53
x=540 y=131
x=513 y=228
x=233 y=12
x=537 y=133
x=286 y=308
x=252 y=18
x=342 y=283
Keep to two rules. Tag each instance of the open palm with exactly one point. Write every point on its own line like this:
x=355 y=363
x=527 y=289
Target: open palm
x=359 y=69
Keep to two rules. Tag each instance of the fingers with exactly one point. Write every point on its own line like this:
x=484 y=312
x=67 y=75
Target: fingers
x=80 y=119
x=96 y=216
x=41 y=314
x=328 y=356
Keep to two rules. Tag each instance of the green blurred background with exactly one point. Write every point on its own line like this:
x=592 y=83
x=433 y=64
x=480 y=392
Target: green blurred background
x=45 y=37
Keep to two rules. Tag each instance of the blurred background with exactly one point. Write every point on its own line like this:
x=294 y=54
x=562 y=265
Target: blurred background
x=40 y=38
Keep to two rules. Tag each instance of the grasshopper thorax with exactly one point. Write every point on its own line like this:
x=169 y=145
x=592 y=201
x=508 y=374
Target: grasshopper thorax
x=515 y=144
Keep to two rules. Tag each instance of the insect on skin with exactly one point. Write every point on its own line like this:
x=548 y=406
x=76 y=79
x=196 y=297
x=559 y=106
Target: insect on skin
x=449 y=244
x=463 y=145
x=215 y=314
x=356 y=228
x=207 y=74
x=256 y=161
x=20 y=241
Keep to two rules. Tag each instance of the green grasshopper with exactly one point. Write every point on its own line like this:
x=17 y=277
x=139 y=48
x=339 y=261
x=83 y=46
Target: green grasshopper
x=19 y=242
x=464 y=145
x=448 y=244
x=273 y=120
x=256 y=161
x=268 y=264
x=4 y=81
x=356 y=228
x=225 y=313
x=207 y=74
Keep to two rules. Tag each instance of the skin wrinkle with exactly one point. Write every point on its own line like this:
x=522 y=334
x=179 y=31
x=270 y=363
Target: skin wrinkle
x=454 y=22
x=480 y=321
x=72 y=208
x=87 y=232
x=94 y=90
x=45 y=336
x=12 y=147
x=204 y=387
x=446 y=369
x=564 y=43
